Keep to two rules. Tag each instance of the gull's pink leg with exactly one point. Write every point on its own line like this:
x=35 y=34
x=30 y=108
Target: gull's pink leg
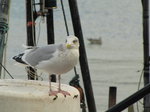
x=65 y=93
x=50 y=89
x=51 y=93
x=54 y=93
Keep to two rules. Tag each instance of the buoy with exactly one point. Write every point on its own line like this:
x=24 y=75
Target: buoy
x=32 y=96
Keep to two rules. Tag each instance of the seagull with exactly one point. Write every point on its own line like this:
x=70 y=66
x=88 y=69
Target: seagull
x=53 y=59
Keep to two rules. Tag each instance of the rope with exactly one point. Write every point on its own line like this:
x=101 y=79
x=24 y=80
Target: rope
x=33 y=73
x=75 y=83
x=3 y=27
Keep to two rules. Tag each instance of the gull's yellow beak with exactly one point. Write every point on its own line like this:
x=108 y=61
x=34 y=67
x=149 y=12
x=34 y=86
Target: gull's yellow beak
x=68 y=45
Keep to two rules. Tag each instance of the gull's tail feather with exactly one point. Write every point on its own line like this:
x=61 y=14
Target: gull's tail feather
x=18 y=58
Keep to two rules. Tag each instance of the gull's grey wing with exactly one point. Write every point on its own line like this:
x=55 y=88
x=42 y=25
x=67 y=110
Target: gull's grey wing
x=39 y=54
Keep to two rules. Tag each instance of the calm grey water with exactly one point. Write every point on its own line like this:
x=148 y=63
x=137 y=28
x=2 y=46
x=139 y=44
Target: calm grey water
x=117 y=62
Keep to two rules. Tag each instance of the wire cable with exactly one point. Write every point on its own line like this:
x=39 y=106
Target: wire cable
x=39 y=31
x=6 y=70
x=6 y=40
x=137 y=104
x=33 y=24
x=64 y=15
x=66 y=25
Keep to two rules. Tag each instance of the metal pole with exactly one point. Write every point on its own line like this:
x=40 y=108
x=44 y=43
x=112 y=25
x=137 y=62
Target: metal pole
x=112 y=96
x=30 y=34
x=145 y=4
x=4 y=17
x=50 y=27
x=83 y=58
x=50 y=33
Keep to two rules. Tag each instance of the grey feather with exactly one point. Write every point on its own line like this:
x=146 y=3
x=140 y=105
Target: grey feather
x=41 y=53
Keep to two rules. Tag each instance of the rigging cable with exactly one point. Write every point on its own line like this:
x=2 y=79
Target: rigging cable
x=6 y=70
x=5 y=47
x=66 y=25
x=33 y=24
x=64 y=15
x=75 y=80
x=3 y=30
x=5 y=55
x=33 y=71
x=137 y=104
x=39 y=31
x=39 y=24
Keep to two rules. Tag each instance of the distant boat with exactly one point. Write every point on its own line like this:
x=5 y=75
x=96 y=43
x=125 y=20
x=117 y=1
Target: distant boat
x=95 y=40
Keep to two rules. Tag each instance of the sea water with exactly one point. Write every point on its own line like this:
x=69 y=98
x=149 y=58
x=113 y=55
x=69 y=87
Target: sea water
x=117 y=62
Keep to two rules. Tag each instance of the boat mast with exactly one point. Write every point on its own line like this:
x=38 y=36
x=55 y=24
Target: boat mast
x=50 y=33
x=145 y=4
x=4 y=18
x=83 y=58
x=31 y=40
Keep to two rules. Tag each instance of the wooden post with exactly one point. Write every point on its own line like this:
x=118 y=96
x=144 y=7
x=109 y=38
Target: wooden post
x=145 y=4
x=4 y=14
x=112 y=96
x=83 y=58
x=131 y=108
x=31 y=41
x=50 y=33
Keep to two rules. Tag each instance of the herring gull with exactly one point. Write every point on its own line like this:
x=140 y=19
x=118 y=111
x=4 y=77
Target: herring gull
x=53 y=59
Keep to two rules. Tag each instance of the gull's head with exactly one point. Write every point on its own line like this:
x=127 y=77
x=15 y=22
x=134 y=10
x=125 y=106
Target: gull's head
x=72 y=42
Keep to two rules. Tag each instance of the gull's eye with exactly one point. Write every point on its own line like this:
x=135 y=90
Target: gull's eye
x=75 y=41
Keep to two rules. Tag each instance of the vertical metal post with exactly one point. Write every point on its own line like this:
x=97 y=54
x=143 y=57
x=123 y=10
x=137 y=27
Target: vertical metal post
x=112 y=96
x=4 y=17
x=31 y=41
x=50 y=33
x=83 y=58
x=145 y=4
x=50 y=27
x=131 y=108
